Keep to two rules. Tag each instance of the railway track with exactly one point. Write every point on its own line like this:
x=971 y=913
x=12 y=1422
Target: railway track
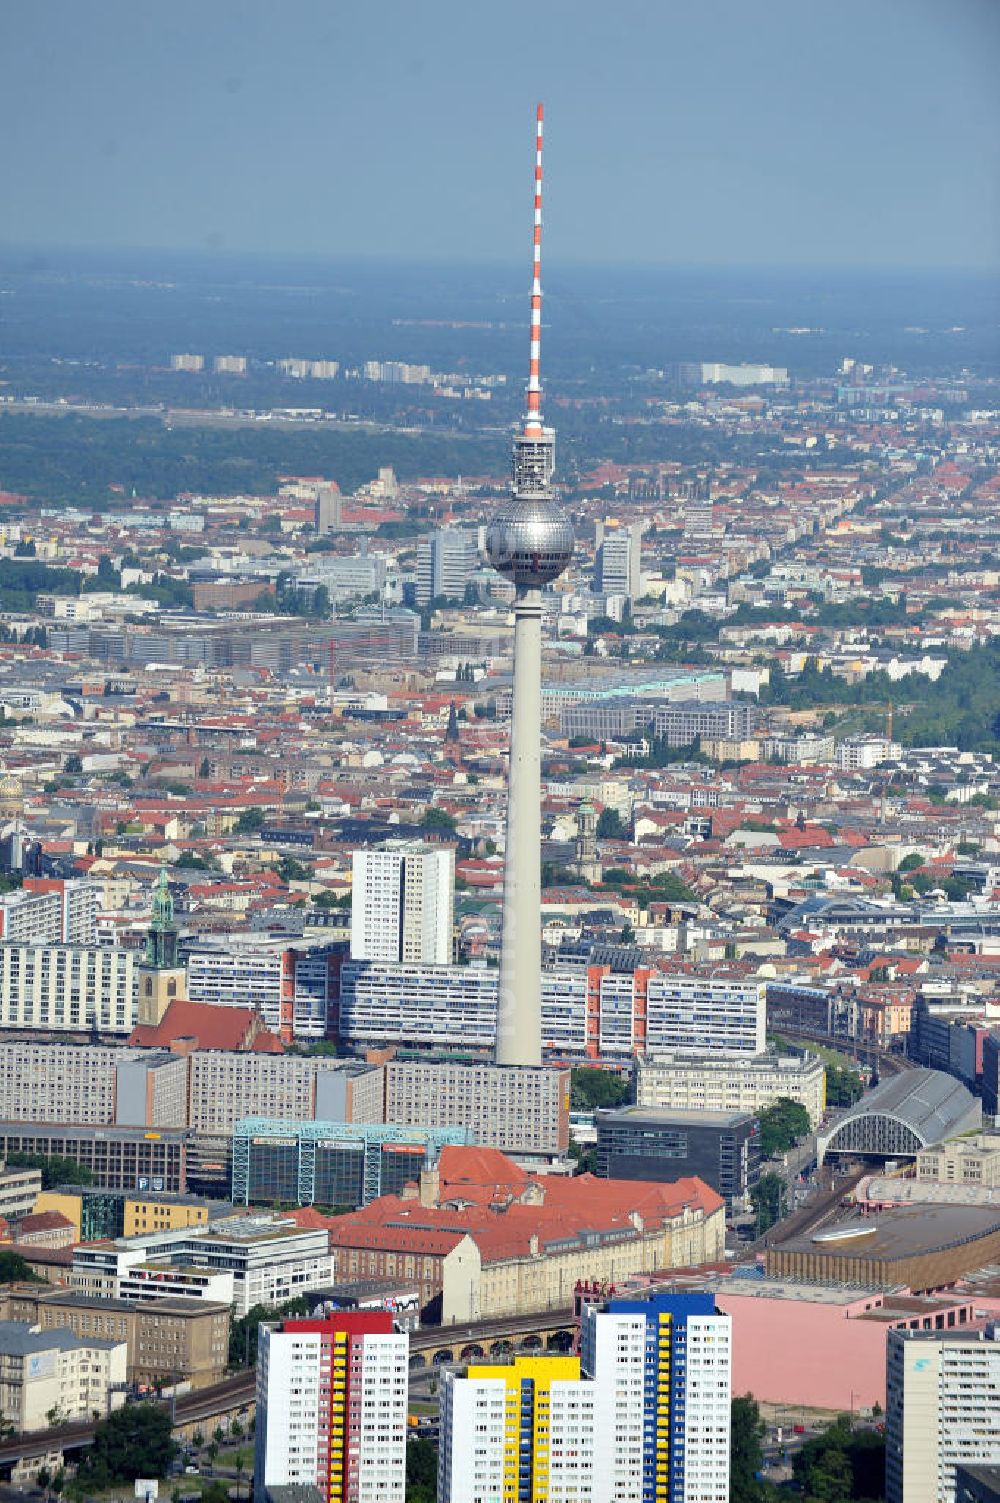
x=888 y=1062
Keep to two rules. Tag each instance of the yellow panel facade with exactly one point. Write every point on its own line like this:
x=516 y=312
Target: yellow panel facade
x=149 y=1214
x=542 y=1373
x=67 y=1204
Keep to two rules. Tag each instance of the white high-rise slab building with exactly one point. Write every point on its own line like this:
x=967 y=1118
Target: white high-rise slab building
x=446 y=561
x=942 y=1410
x=643 y=1413
x=51 y=911
x=403 y=903
x=331 y=1408
x=617 y=562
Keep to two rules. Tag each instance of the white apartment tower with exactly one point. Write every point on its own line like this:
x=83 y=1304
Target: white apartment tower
x=942 y=1410
x=642 y=1414
x=445 y=563
x=331 y=1408
x=403 y=903
x=519 y=1430
x=662 y=1370
x=51 y=911
x=617 y=562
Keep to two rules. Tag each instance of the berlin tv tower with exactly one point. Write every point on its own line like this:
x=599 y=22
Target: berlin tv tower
x=530 y=541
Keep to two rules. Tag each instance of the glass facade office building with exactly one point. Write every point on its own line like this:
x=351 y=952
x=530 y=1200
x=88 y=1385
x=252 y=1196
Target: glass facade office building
x=330 y=1163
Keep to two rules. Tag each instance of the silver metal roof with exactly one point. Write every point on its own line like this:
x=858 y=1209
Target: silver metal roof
x=931 y=1104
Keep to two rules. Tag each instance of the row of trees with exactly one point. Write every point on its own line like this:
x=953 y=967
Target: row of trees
x=74 y=460
x=663 y=887
x=961 y=707
x=56 y=1170
x=842 y=1464
x=782 y=1125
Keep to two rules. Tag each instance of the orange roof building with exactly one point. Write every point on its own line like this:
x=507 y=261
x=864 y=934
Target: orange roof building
x=186 y=1026
x=484 y=1239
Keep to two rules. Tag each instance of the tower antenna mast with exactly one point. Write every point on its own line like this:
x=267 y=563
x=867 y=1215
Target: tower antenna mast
x=533 y=420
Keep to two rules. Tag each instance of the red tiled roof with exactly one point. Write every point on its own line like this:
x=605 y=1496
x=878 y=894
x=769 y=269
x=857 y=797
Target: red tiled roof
x=43 y=1221
x=212 y=1028
x=484 y=1195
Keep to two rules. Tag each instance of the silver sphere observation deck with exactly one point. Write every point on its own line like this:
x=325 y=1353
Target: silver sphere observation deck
x=530 y=541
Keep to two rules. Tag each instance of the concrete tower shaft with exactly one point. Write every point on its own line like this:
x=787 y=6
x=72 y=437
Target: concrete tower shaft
x=530 y=541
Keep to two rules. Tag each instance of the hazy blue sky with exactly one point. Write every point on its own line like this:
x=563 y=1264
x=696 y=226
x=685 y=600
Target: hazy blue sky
x=733 y=131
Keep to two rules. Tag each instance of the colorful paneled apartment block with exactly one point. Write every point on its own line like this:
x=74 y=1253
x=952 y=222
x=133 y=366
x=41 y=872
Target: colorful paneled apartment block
x=331 y=1407
x=642 y=1416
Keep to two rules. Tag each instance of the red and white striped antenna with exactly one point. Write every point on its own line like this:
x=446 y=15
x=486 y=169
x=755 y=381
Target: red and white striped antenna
x=533 y=420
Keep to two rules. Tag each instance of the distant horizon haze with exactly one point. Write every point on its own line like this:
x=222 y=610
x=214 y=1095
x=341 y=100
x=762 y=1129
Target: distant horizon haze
x=712 y=135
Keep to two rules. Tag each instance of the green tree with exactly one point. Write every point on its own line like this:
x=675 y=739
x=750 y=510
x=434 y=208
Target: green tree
x=609 y=825
x=56 y=1169
x=421 y=1471
x=439 y=819
x=108 y=576
x=769 y=1198
x=329 y=899
x=843 y=1086
x=841 y=1464
x=590 y=1089
x=214 y=1491
x=783 y=1124
x=746 y=1450
x=136 y=1441
x=240 y=1460
x=584 y=1156
x=243 y=1332
x=250 y=819
x=14 y=1269
x=73 y=764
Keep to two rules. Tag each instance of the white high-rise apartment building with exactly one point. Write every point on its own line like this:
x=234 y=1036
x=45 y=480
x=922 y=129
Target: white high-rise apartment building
x=331 y=1408
x=519 y=1430
x=617 y=562
x=68 y=988
x=445 y=562
x=691 y=1014
x=456 y=1006
x=51 y=911
x=403 y=903
x=942 y=1410
x=662 y=1369
x=642 y=1413
x=290 y=985
x=860 y=753
x=91 y=1084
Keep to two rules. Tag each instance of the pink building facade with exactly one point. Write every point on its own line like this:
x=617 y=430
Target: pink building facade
x=824 y=1348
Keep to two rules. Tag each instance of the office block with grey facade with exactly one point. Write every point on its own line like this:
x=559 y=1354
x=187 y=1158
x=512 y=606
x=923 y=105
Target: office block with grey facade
x=721 y=1148
x=681 y=724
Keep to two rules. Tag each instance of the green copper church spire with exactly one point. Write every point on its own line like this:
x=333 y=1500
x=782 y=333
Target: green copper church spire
x=161 y=940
